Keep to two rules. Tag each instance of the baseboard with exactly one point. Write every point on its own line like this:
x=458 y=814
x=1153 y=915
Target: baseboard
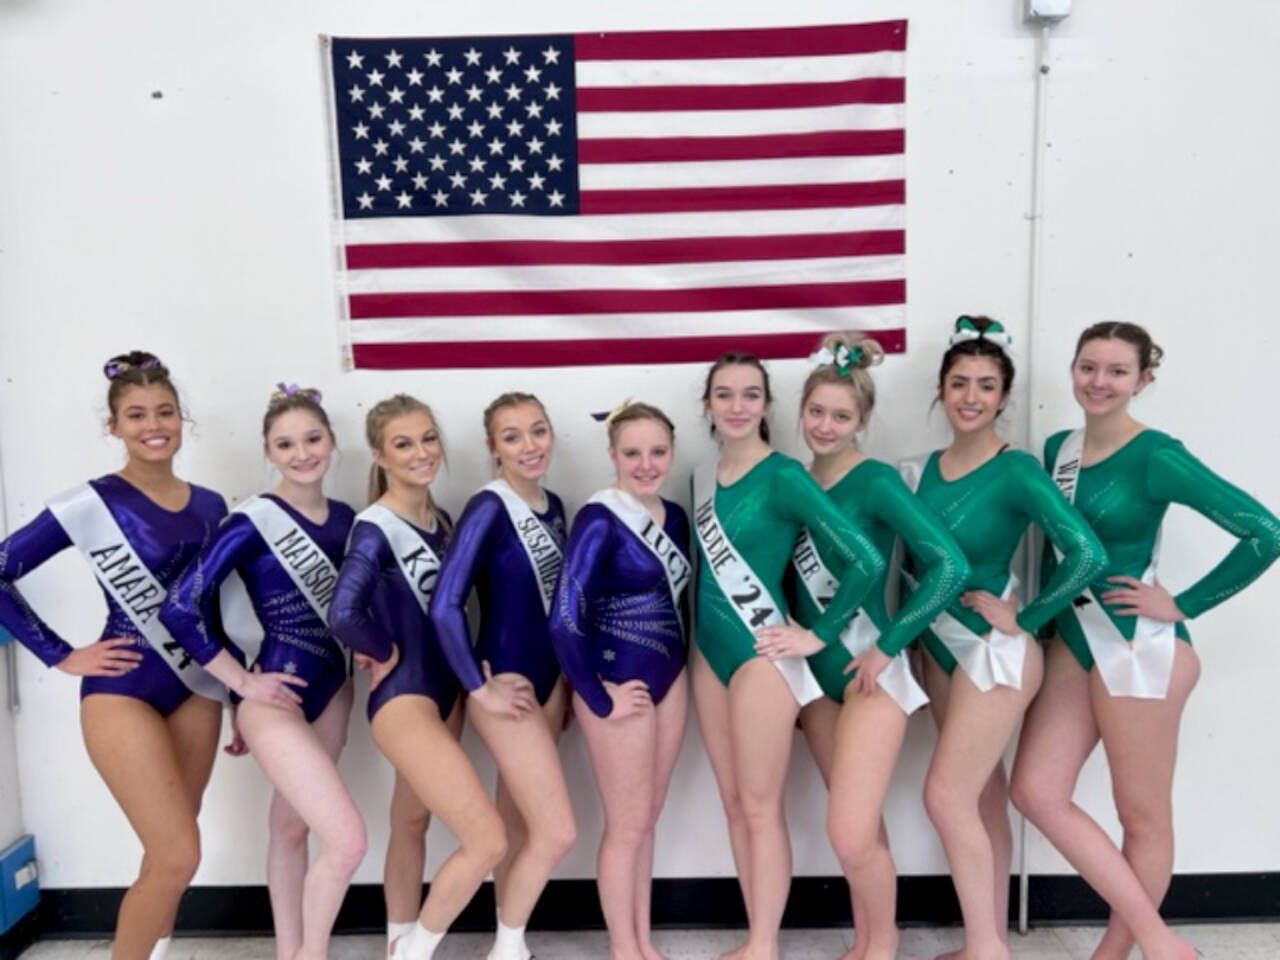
x=684 y=902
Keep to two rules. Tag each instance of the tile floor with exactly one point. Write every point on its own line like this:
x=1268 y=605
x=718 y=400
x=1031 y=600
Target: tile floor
x=1253 y=941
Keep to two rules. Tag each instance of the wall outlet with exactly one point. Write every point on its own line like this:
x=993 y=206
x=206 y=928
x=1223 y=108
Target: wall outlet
x=1051 y=10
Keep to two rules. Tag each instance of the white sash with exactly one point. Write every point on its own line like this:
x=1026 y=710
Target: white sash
x=747 y=596
x=309 y=567
x=820 y=583
x=649 y=532
x=418 y=563
x=83 y=514
x=539 y=545
x=1138 y=668
x=995 y=658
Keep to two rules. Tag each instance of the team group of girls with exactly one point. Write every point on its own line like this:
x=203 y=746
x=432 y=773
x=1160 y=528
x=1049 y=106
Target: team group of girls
x=604 y=605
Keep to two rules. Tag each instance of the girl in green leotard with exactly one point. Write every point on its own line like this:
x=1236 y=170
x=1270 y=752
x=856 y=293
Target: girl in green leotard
x=1123 y=476
x=856 y=730
x=986 y=495
x=749 y=673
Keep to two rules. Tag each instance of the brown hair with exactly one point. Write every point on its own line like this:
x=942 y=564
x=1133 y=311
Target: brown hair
x=137 y=368
x=739 y=358
x=375 y=425
x=638 y=411
x=864 y=352
x=978 y=346
x=1149 y=354
x=512 y=398
x=294 y=398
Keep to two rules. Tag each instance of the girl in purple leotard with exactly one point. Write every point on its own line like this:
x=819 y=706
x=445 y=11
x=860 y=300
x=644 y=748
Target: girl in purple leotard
x=151 y=740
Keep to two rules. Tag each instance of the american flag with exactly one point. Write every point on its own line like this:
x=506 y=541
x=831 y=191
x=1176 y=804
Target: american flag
x=618 y=198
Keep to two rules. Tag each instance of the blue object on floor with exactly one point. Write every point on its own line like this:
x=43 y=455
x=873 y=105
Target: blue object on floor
x=19 y=883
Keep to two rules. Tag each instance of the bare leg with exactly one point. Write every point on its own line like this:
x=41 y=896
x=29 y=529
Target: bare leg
x=818 y=724
x=406 y=852
x=137 y=753
x=673 y=715
x=300 y=761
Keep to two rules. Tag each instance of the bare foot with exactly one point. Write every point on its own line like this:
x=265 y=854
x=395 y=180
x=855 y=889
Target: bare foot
x=737 y=953
x=650 y=952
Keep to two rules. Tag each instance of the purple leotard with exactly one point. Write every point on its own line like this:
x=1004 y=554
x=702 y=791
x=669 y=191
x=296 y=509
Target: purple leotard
x=167 y=541
x=612 y=617
x=295 y=639
x=487 y=552
x=374 y=607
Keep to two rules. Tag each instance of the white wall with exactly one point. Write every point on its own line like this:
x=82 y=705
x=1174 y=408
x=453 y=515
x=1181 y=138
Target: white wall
x=196 y=225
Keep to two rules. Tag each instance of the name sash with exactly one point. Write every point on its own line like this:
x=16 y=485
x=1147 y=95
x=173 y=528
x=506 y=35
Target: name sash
x=545 y=555
x=648 y=531
x=861 y=633
x=1138 y=668
x=419 y=564
x=83 y=514
x=747 y=595
x=309 y=567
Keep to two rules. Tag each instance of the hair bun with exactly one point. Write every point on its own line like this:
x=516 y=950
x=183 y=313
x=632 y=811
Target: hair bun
x=133 y=360
x=284 y=391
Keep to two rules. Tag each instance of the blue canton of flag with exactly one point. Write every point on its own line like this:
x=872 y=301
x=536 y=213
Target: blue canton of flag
x=455 y=126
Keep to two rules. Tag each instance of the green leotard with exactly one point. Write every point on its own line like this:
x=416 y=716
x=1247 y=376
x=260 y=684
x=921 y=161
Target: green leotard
x=1124 y=499
x=762 y=514
x=874 y=497
x=987 y=510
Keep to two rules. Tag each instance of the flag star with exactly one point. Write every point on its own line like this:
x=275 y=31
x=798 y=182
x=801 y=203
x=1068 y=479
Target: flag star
x=513 y=92
x=459 y=180
x=478 y=198
x=554 y=163
x=441 y=198
x=435 y=94
x=455 y=111
x=357 y=93
x=476 y=164
x=497 y=181
x=536 y=180
x=473 y=93
x=517 y=198
x=380 y=147
x=454 y=75
x=417 y=145
x=395 y=95
x=494 y=110
x=415 y=77
x=396 y=127
x=473 y=57
x=403 y=200
x=495 y=146
x=375 y=78
x=533 y=109
x=552 y=91
x=393 y=58
x=475 y=128
x=535 y=145
x=416 y=112
x=437 y=162
x=383 y=182
x=556 y=198
x=433 y=57
x=401 y=164
x=457 y=147
x=355 y=60
x=516 y=164
x=364 y=165
x=553 y=127
x=515 y=128
x=436 y=129
x=532 y=73
x=512 y=55
x=551 y=55
x=361 y=131
x=493 y=75
x=365 y=201
x=419 y=181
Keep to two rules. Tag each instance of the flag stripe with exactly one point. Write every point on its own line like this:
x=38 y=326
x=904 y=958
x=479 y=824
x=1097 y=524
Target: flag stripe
x=823 y=143
x=534 y=302
x=727 y=71
x=736 y=123
x=516 y=253
x=769 y=96
x=742 y=173
x=772 y=42
x=779 y=197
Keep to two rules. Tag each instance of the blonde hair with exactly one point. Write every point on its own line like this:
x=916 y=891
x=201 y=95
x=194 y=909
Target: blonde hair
x=863 y=352
x=637 y=411
x=375 y=426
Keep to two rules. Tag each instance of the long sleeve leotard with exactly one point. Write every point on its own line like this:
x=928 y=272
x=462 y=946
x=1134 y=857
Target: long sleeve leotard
x=1124 y=498
x=296 y=640
x=873 y=496
x=167 y=541
x=486 y=552
x=374 y=607
x=612 y=617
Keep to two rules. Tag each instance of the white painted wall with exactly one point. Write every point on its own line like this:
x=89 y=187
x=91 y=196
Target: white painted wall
x=196 y=225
